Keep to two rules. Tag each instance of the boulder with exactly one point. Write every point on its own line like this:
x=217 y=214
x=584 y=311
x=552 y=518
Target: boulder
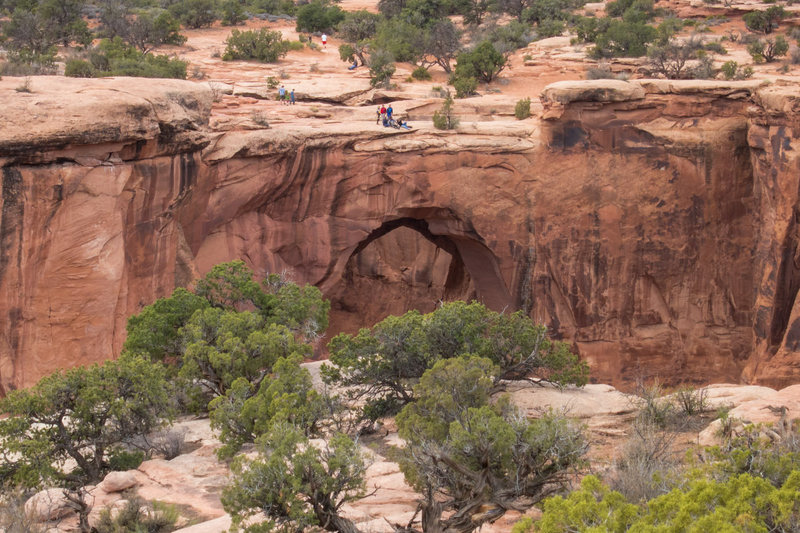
x=47 y=505
x=118 y=481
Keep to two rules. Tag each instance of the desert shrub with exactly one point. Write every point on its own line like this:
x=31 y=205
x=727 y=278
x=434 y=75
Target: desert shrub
x=623 y=39
x=506 y=38
x=146 y=31
x=381 y=68
x=647 y=466
x=113 y=57
x=691 y=401
x=274 y=7
x=654 y=409
x=195 y=13
x=523 y=525
x=78 y=68
x=122 y=460
x=621 y=8
x=209 y=343
x=260 y=118
x=768 y=452
x=455 y=437
x=741 y=503
x=262 y=45
x=294 y=46
x=154 y=332
x=421 y=73
x=593 y=507
x=522 y=109
x=768 y=50
x=13 y=516
x=318 y=15
x=537 y=12
x=322 y=480
x=357 y=29
x=483 y=63
x=679 y=60
x=24 y=62
x=25 y=87
x=600 y=72
x=385 y=362
x=106 y=405
x=588 y=28
x=403 y=39
x=716 y=47
x=287 y=395
x=550 y=28
x=764 y=21
x=139 y=516
x=232 y=13
x=167 y=443
x=704 y=69
x=464 y=85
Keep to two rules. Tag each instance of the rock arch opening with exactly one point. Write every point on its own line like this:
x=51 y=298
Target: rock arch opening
x=404 y=265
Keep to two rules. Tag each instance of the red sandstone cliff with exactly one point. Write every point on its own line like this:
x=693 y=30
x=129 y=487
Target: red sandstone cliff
x=652 y=223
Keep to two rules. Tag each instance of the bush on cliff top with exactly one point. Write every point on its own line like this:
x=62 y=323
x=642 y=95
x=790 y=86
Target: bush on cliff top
x=112 y=57
x=262 y=45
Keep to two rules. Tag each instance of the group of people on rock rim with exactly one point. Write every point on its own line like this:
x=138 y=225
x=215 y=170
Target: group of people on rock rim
x=385 y=116
x=286 y=99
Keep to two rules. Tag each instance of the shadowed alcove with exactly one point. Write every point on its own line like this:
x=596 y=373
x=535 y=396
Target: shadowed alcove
x=402 y=265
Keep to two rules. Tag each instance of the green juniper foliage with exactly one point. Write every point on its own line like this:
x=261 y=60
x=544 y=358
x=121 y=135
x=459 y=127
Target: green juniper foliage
x=382 y=364
x=79 y=414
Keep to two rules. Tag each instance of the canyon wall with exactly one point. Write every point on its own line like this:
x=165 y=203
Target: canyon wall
x=653 y=224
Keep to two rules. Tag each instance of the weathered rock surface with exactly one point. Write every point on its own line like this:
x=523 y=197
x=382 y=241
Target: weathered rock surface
x=117 y=482
x=751 y=405
x=47 y=505
x=652 y=224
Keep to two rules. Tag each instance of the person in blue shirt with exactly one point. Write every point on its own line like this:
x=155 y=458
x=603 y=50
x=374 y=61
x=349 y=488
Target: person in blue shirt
x=389 y=111
x=291 y=97
x=282 y=95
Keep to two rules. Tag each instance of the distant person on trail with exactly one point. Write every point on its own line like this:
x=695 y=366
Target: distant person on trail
x=282 y=95
x=378 y=112
x=389 y=112
x=291 y=97
x=383 y=112
x=324 y=41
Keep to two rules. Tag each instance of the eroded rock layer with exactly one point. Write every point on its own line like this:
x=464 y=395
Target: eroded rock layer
x=654 y=224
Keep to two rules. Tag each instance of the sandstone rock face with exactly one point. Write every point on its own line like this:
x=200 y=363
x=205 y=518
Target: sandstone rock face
x=652 y=224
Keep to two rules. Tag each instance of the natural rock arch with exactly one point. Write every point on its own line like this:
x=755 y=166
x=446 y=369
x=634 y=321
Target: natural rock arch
x=471 y=270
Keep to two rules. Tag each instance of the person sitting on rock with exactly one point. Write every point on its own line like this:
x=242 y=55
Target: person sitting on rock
x=354 y=65
x=403 y=124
